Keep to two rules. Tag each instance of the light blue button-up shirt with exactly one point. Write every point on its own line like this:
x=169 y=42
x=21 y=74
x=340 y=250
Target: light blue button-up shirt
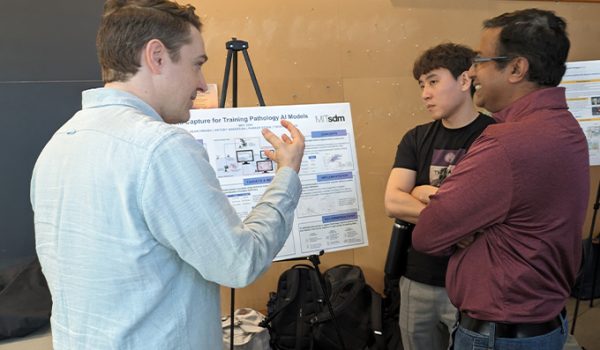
x=135 y=235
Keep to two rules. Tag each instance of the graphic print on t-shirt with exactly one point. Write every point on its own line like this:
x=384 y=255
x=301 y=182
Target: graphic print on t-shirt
x=442 y=163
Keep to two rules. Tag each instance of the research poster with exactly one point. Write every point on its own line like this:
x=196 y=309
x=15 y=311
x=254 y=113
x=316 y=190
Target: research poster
x=330 y=214
x=582 y=83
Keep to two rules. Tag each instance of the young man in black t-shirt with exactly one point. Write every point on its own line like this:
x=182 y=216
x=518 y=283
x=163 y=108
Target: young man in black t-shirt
x=425 y=157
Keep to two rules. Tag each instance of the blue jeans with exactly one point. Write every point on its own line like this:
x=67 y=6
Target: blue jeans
x=465 y=339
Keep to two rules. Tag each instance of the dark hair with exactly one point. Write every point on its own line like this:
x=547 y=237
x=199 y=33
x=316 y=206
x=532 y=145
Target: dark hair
x=127 y=25
x=455 y=58
x=537 y=35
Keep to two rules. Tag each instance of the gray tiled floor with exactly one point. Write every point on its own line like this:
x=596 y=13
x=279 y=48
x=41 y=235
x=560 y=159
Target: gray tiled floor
x=587 y=327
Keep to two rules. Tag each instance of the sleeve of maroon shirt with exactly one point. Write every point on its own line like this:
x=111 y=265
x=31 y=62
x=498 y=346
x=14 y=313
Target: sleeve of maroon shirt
x=474 y=197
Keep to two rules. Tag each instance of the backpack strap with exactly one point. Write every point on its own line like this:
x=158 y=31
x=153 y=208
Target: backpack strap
x=292 y=277
x=299 y=330
x=376 y=319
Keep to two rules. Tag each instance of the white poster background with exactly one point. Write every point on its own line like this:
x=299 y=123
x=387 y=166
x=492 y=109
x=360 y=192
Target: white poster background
x=582 y=83
x=330 y=214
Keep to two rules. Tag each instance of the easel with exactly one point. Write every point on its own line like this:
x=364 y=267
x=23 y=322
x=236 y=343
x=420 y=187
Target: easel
x=233 y=47
x=590 y=243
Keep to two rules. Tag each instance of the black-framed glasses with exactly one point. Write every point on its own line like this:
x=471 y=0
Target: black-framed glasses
x=479 y=59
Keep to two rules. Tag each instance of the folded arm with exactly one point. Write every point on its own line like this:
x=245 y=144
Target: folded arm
x=399 y=201
x=476 y=196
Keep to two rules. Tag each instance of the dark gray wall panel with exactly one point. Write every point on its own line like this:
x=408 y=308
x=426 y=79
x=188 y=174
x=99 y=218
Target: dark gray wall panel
x=31 y=113
x=48 y=57
x=49 y=40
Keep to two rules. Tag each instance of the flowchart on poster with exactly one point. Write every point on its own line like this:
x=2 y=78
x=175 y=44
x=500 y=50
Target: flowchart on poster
x=330 y=214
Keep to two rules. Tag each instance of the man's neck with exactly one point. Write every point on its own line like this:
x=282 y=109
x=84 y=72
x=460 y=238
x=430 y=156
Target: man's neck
x=523 y=89
x=463 y=116
x=137 y=87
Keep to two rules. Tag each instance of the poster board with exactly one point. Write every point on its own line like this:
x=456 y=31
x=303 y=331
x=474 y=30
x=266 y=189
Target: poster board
x=582 y=84
x=330 y=213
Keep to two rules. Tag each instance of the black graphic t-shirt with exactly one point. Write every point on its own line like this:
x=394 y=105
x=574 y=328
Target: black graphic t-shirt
x=433 y=151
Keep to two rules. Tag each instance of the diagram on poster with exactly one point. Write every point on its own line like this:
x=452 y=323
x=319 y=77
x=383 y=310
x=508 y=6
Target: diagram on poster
x=582 y=84
x=330 y=214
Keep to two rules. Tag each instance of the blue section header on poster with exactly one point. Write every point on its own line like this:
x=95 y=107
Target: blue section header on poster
x=339 y=217
x=334 y=177
x=328 y=133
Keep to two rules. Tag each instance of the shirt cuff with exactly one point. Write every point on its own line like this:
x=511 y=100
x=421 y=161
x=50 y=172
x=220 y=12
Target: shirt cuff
x=288 y=178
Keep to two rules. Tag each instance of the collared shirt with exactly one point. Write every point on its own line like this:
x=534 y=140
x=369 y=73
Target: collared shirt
x=524 y=186
x=135 y=235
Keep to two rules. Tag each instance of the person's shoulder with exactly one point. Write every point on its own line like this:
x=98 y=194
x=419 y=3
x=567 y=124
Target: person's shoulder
x=164 y=130
x=418 y=132
x=485 y=119
x=422 y=128
x=480 y=124
x=422 y=131
x=149 y=132
x=501 y=132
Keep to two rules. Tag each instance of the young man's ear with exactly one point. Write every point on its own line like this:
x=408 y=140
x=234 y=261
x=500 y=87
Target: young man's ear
x=517 y=69
x=465 y=81
x=154 y=55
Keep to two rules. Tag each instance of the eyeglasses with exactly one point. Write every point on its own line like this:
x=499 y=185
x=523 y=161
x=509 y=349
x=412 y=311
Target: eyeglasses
x=478 y=59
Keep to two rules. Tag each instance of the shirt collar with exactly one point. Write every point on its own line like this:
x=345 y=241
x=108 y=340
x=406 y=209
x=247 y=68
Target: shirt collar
x=546 y=98
x=101 y=97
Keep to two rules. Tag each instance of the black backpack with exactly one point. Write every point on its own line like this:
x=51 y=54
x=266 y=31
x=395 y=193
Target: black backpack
x=298 y=317
x=292 y=309
x=357 y=309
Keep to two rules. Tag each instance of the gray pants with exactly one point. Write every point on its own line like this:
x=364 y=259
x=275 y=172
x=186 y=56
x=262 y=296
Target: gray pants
x=426 y=316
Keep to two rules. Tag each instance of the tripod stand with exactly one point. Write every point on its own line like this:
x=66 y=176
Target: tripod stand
x=233 y=47
x=590 y=245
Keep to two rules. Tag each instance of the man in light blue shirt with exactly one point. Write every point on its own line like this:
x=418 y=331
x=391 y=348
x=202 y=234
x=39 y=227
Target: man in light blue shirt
x=132 y=229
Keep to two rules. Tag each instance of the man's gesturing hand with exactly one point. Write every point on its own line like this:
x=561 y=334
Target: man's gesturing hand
x=287 y=151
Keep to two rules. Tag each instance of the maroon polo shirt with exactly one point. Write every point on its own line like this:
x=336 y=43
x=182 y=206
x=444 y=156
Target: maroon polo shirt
x=524 y=184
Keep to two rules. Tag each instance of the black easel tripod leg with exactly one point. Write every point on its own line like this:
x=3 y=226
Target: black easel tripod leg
x=593 y=273
x=234 y=92
x=582 y=279
x=232 y=47
x=226 y=79
x=232 y=324
x=222 y=105
x=591 y=244
x=261 y=101
x=314 y=259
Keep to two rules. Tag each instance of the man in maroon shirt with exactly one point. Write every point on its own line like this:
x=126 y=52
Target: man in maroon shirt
x=511 y=214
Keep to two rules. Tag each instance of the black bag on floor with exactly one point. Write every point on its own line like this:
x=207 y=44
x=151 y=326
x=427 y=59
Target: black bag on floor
x=292 y=309
x=299 y=319
x=357 y=309
x=25 y=301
